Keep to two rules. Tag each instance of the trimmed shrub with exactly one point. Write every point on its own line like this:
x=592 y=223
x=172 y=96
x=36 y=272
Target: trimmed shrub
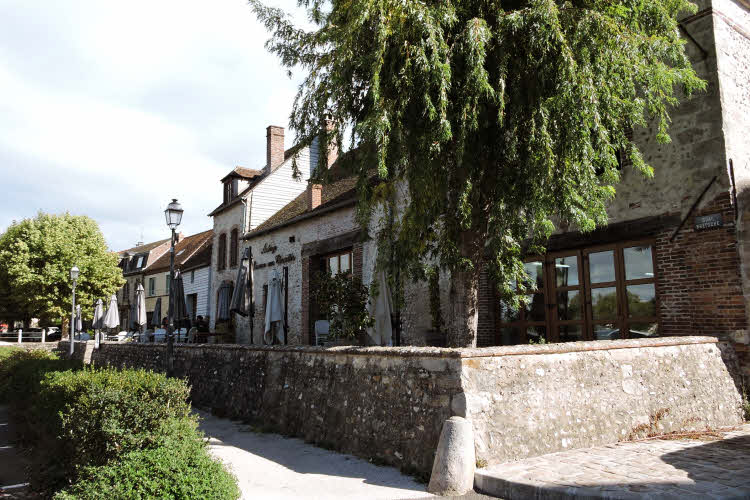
x=180 y=467
x=22 y=371
x=104 y=413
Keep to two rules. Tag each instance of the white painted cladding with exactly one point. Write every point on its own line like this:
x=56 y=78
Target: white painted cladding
x=275 y=191
x=198 y=281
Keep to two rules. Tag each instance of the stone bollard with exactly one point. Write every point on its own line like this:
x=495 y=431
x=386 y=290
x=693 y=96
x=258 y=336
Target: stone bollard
x=453 y=469
x=44 y=335
x=20 y=335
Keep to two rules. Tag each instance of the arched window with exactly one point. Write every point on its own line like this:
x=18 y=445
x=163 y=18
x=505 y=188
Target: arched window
x=233 y=248
x=222 y=257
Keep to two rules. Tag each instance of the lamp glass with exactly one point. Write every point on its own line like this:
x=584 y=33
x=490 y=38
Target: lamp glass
x=74 y=272
x=173 y=214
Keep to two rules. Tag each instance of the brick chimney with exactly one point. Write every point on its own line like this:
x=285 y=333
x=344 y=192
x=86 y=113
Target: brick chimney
x=314 y=195
x=274 y=147
x=333 y=145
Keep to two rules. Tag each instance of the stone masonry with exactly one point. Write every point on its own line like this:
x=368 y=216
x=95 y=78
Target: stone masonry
x=390 y=403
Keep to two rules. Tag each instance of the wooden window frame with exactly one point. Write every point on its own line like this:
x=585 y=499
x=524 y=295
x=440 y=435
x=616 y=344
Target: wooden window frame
x=622 y=319
x=327 y=259
x=221 y=254
x=234 y=245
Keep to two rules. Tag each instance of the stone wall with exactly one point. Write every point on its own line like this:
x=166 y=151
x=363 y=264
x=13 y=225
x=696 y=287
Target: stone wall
x=527 y=401
x=390 y=403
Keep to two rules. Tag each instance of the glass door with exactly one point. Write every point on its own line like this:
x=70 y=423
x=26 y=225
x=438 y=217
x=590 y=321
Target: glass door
x=604 y=312
x=567 y=308
x=529 y=322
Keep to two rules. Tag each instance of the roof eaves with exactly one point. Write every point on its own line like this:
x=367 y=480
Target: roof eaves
x=302 y=217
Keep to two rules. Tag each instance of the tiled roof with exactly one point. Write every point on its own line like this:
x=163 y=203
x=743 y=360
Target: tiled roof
x=201 y=258
x=183 y=251
x=143 y=248
x=338 y=192
x=245 y=173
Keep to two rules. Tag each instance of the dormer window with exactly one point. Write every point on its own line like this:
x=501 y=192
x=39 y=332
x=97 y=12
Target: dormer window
x=231 y=188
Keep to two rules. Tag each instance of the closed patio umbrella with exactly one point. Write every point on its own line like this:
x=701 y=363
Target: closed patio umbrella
x=156 y=315
x=98 y=320
x=274 y=311
x=381 y=307
x=112 y=316
x=242 y=298
x=179 y=314
x=79 y=320
x=140 y=307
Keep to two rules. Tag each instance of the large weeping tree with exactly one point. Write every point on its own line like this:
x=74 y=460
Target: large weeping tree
x=501 y=119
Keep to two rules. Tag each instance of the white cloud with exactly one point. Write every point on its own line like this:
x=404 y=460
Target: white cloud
x=111 y=109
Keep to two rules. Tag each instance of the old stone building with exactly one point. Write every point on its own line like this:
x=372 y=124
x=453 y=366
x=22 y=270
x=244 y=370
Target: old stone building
x=674 y=259
x=192 y=258
x=134 y=263
x=249 y=197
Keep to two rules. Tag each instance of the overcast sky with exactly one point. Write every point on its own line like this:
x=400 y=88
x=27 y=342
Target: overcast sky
x=110 y=109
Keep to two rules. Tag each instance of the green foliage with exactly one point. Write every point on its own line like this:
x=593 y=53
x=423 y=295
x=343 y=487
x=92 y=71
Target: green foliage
x=490 y=123
x=22 y=372
x=117 y=434
x=178 y=467
x=343 y=299
x=36 y=256
x=98 y=415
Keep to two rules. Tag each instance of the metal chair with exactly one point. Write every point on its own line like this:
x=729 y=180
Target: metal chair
x=322 y=327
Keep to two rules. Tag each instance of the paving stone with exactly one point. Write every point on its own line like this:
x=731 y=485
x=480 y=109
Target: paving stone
x=659 y=469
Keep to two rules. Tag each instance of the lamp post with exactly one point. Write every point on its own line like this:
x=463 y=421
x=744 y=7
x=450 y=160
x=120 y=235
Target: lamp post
x=74 y=272
x=173 y=215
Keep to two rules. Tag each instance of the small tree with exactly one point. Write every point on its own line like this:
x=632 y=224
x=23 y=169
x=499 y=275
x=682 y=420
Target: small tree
x=343 y=299
x=501 y=119
x=35 y=260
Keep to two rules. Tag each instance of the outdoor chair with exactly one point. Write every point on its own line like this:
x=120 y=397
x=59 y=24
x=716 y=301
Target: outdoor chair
x=191 y=335
x=322 y=327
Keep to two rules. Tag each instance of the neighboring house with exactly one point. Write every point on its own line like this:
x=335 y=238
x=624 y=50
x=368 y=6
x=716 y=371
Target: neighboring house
x=191 y=254
x=249 y=198
x=674 y=259
x=134 y=262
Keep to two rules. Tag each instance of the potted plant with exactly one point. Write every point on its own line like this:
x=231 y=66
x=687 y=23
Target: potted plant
x=342 y=298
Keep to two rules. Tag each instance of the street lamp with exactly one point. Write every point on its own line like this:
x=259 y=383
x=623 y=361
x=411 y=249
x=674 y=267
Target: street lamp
x=173 y=215
x=74 y=272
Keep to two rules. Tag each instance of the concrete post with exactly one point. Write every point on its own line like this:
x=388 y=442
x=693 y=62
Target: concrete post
x=20 y=335
x=44 y=335
x=453 y=469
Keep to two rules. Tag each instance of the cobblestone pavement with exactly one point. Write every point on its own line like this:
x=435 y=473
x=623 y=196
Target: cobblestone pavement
x=672 y=468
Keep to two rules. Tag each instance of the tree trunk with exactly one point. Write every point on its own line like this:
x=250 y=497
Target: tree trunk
x=462 y=325
x=65 y=328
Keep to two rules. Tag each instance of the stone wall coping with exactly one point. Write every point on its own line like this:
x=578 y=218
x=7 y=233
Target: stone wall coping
x=441 y=352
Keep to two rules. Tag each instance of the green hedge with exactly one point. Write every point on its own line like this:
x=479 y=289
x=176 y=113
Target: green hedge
x=178 y=468
x=113 y=433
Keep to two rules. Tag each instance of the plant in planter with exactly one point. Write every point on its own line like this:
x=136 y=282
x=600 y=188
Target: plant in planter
x=343 y=299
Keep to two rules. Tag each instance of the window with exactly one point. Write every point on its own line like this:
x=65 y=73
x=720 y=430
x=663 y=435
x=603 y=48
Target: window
x=235 y=187
x=339 y=262
x=168 y=283
x=233 y=248
x=151 y=286
x=140 y=261
x=222 y=254
x=192 y=276
x=227 y=192
x=601 y=293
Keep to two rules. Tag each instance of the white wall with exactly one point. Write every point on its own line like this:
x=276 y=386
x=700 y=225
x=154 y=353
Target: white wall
x=201 y=286
x=278 y=189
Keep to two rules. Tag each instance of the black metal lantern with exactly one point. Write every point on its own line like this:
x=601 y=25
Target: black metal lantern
x=173 y=214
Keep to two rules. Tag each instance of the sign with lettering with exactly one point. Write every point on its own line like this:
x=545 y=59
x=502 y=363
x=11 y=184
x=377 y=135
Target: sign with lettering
x=268 y=248
x=279 y=259
x=708 y=222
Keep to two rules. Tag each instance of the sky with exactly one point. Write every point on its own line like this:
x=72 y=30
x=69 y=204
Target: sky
x=111 y=109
